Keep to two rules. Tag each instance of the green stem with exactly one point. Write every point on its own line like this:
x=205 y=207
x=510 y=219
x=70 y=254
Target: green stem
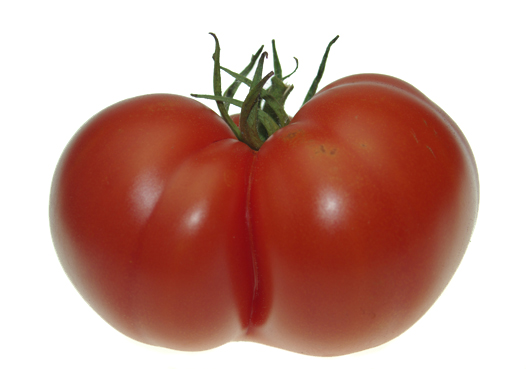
x=248 y=117
x=269 y=124
x=257 y=123
x=224 y=99
x=239 y=77
x=277 y=93
x=277 y=65
x=231 y=91
x=294 y=71
x=274 y=108
x=217 y=92
x=317 y=80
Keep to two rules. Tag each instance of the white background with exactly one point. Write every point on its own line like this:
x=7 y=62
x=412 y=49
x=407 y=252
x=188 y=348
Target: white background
x=63 y=61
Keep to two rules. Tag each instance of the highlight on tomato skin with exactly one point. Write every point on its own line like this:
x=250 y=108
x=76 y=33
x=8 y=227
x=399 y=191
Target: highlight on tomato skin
x=391 y=217
x=325 y=233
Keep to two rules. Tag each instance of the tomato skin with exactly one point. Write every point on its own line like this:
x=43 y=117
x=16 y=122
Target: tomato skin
x=110 y=202
x=336 y=236
x=201 y=269
x=374 y=184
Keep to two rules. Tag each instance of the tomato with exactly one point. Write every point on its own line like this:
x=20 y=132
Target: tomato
x=334 y=235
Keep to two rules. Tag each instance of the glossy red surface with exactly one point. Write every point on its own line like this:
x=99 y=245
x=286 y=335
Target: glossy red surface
x=336 y=236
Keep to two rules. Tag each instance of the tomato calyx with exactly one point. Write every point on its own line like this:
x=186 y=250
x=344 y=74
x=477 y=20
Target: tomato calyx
x=263 y=110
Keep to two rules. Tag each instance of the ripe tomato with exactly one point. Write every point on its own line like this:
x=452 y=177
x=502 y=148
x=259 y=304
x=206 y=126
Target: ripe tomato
x=335 y=236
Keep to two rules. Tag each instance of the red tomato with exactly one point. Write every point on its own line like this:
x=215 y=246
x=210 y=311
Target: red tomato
x=336 y=236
